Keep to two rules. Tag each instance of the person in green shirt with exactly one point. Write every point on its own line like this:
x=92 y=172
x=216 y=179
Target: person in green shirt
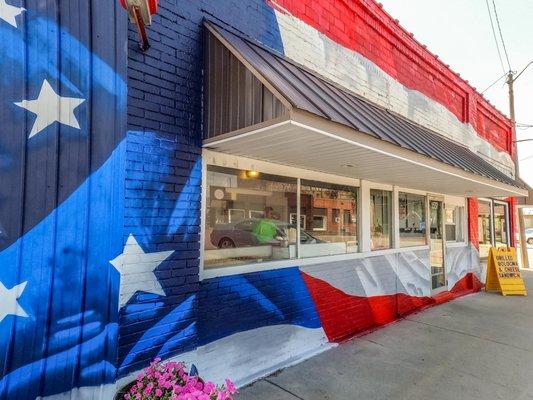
x=265 y=230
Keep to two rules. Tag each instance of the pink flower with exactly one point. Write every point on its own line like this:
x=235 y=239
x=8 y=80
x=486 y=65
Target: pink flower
x=231 y=387
x=148 y=389
x=172 y=381
x=222 y=396
x=209 y=387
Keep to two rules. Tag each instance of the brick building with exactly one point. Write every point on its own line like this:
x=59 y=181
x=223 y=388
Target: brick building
x=269 y=178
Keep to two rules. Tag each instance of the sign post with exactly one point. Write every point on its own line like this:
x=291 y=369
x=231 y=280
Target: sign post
x=503 y=272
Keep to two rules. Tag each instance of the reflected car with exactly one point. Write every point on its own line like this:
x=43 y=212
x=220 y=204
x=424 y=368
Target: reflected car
x=256 y=232
x=529 y=236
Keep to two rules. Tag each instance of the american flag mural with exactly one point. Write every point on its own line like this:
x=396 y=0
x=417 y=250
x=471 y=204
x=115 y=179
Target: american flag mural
x=100 y=197
x=62 y=113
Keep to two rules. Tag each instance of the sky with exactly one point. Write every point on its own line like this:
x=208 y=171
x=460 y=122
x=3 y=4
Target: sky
x=459 y=31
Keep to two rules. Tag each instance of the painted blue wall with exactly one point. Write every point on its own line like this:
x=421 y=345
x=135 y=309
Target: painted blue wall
x=61 y=193
x=163 y=170
x=125 y=162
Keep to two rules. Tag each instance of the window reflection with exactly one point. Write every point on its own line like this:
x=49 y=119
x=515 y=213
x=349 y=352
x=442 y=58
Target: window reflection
x=500 y=225
x=454 y=220
x=248 y=217
x=484 y=227
x=328 y=213
x=380 y=219
x=412 y=209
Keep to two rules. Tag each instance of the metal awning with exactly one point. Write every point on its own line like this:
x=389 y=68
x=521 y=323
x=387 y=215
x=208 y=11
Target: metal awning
x=330 y=129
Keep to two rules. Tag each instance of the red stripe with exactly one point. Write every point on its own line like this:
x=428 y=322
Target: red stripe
x=343 y=315
x=364 y=27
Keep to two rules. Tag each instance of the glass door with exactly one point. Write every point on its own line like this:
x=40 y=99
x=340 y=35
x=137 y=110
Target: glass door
x=501 y=224
x=437 y=240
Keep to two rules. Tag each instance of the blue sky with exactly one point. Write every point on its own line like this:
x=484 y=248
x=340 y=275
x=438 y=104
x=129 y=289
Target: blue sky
x=459 y=32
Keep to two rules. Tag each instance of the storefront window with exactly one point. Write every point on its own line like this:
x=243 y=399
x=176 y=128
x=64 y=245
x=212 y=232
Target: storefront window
x=500 y=224
x=484 y=226
x=412 y=208
x=380 y=219
x=454 y=223
x=248 y=217
x=328 y=219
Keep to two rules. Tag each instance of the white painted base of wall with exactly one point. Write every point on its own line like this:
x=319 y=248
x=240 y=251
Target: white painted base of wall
x=106 y=392
x=247 y=356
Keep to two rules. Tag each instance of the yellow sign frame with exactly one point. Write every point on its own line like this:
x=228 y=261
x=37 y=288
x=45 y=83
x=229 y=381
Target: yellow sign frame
x=503 y=272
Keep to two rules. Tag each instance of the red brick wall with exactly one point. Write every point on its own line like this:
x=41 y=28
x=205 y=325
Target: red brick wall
x=363 y=26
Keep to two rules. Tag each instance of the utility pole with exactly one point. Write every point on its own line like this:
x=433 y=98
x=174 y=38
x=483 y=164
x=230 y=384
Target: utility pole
x=521 y=223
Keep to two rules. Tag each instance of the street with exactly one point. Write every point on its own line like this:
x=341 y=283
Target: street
x=476 y=347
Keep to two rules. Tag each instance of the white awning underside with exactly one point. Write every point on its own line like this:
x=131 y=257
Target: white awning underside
x=319 y=145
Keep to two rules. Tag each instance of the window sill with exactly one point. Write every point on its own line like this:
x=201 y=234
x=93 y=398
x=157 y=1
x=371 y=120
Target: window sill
x=299 y=262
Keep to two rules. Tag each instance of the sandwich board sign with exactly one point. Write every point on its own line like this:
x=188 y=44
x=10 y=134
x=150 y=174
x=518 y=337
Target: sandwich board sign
x=503 y=272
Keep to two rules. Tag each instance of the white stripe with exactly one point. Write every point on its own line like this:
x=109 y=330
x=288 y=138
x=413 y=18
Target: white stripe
x=247 y=356
x=307 y=46
x=406 y=272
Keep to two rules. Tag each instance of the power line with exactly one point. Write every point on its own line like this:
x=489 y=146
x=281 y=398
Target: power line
x=495 y=82
x=495 y=38
x=501 y=34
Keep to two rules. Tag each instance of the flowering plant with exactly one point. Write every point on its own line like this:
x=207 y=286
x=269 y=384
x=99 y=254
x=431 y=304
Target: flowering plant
x=171 y=381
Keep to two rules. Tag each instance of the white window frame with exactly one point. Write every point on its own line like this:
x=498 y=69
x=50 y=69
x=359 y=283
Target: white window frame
x=210 y=157
x=235 y=209
x=251 y=212
x=324 y=219
x=303 y=223
x=492 y=202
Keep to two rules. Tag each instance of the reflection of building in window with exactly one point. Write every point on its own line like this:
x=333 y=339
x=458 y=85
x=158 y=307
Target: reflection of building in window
x=454 y=220
x=294 y=217
x=484 y=227
x=256 y=214
x=320 y=221
x=322 y=205
x=500 y=224
x=247 y=217
x=493 y=225
x=412 y=209
x=236 y=215
x=380 y=219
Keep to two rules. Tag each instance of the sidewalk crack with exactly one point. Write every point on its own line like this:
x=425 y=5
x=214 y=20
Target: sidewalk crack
x=282 y=388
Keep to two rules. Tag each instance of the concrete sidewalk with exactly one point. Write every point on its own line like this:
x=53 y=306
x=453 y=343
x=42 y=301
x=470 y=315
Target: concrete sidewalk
x=476 y=347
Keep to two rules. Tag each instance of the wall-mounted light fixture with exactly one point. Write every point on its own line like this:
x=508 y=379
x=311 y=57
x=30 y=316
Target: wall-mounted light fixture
x=252 y=174
x=140 y=12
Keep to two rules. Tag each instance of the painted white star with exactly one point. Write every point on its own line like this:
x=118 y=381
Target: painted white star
x=8 y=301
x=8 y=13
x=136 y=270
x=50 y=107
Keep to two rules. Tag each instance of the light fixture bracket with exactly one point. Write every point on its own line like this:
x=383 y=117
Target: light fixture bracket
x=140 y=13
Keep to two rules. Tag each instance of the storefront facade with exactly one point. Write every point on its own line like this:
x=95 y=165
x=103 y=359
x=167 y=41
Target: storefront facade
x=276 y=176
